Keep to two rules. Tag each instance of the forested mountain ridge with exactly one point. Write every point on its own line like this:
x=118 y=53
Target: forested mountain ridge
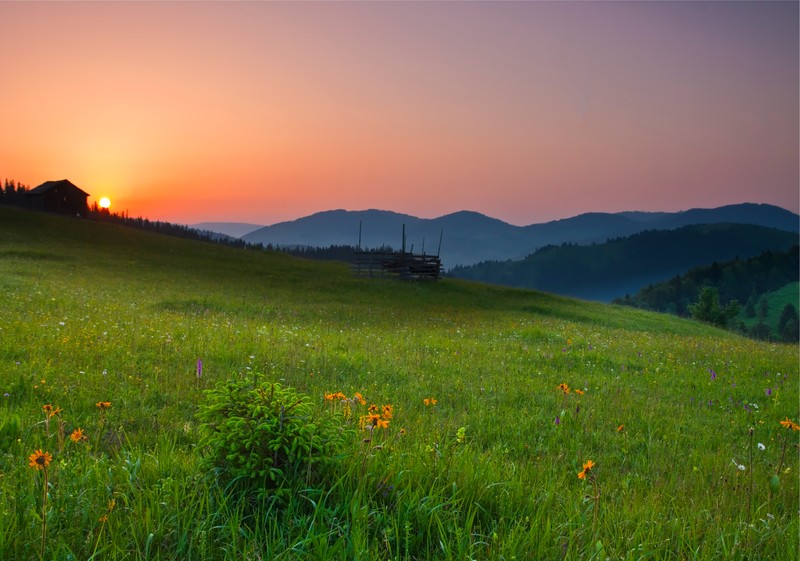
x=624 y=265
x=470 y=237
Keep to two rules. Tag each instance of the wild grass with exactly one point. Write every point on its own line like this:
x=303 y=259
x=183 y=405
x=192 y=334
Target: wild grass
x=682 y=420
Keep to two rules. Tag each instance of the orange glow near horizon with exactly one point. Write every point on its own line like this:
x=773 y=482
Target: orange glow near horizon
x=267 y=111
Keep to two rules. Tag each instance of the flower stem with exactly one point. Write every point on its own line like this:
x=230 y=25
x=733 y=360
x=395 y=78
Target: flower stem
x=44 y=512
x=596 y=499
x=783 y=455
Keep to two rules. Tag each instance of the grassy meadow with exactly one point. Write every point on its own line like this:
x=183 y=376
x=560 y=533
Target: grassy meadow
x=106 y=325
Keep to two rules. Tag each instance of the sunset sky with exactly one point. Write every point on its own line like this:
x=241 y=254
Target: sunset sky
x=525 y=111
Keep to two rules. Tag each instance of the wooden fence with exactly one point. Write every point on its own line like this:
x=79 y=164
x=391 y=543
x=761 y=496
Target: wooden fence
x=407 y=266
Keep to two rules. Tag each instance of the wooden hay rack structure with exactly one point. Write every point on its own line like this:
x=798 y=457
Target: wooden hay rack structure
x=403 y=264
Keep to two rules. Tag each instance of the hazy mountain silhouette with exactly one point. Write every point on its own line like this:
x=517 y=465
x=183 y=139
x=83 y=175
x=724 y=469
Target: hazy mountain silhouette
x=471 y=237
x=232 y=229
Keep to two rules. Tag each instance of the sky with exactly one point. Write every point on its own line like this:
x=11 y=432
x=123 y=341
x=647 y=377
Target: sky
x=262 y=112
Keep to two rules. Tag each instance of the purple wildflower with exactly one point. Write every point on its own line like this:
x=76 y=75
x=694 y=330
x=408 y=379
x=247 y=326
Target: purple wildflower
x=768 y=391
x=199 y=368
x=713 y=374
x=558 y=421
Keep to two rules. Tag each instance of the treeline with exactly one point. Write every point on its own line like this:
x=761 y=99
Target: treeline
x=712 y=292
x=13 y=193
x=330 y=253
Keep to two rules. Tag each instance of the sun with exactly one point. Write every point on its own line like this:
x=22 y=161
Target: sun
x=104 y=202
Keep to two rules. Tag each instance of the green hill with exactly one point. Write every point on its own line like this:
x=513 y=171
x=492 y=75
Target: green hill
x=110 y=338
x=775 y=303
x=763 y=286
x=624 y=265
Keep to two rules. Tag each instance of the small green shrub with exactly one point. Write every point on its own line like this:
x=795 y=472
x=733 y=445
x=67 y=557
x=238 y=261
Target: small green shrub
x=267 y=435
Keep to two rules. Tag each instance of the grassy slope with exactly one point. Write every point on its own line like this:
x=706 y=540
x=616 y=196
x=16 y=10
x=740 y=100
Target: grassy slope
x=778 y=299
x=94 y=312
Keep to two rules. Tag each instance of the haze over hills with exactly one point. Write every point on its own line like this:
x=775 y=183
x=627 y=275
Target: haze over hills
x=624 y=265
x=232 y=229
x=471 y=237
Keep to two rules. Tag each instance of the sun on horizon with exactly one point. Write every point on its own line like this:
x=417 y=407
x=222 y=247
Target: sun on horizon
x=104 y=202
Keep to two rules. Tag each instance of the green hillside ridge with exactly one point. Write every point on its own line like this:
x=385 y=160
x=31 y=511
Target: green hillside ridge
x=777 y=300
x=125 y=330
x=624 y=265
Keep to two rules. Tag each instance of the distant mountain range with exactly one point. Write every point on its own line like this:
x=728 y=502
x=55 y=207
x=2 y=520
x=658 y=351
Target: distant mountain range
x=470 y=237
x=624 y=265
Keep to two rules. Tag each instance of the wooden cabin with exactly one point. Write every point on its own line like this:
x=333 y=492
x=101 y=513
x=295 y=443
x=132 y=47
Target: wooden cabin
x=58 y=196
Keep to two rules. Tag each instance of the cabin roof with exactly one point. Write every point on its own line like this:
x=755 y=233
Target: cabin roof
x=48 y=186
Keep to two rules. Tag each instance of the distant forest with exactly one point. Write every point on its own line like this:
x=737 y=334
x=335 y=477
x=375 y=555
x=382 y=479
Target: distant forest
x=624 y=264
x=753 y=285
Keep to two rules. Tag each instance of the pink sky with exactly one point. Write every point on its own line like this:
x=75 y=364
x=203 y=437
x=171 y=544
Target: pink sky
x=525 y=111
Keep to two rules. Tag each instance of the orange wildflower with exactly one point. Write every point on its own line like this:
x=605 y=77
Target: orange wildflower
x=78 y=435
x=103 y=405
x=429 y=401
x=39 y=460
x=564 y=388
x=790 y=425
x=587 y=467
x=579 y=392
x=359 y=398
